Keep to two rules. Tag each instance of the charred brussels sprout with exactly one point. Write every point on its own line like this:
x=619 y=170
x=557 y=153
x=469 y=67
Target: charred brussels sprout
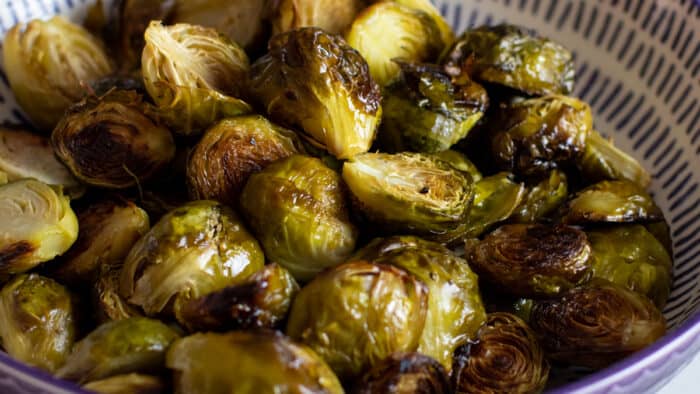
x=448 y=36
x=357 y=314
x=611 y=202
x=37 y=225
x=424 y=111
x=405 y=373
x=37 y=323
x=194 y=75
x=46 y=62
x=602 y=160
x=630 y=256
x=231 y=151
x=532 y=260
x=505 y=358
x=108 y=304
x=194 y=250
x=461 y=162
x=543 y=198
x=109 y=141
x=330 y=15
x=317 y=83
x=596 y=325
x=511 y=56
x=495 y=199
x=132 y=384
x=536 y=135
x=256 y=361
x=120 y=347
x=297 y=209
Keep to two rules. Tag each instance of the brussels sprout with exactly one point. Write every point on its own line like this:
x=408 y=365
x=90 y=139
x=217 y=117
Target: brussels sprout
x=27 y=155
x=194 y=74
x=261 y=302
x=611 y=202
x=109 y=142
x=330 y=15
x=108 y=304
x=357 y=314
x=596 y=325
x=495 y=199
x=3 y=178
x=506 y=358
x=511 y=56
x=410 y=192
x=461 y=162
x=455 y=311
x=537 y=135
x=37 y=323
x=37 y=225
x=46 y=62
x=406 y=33
x=196 y=249
x=317 y=83
x=662 y=232
x=601 y=160
x=231 y=151
x=255 y=362
x=411 y=373
x=532 y=260
x=542 y=198
x=448 y=36
x=120 y=347
x=297 y=209
x=425 y=112
x=128 y=384
x=630 y=256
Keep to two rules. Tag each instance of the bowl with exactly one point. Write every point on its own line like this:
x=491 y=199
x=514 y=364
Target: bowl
x=638 y=65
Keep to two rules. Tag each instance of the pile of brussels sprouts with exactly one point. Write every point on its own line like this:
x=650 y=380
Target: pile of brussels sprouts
x=366 y=204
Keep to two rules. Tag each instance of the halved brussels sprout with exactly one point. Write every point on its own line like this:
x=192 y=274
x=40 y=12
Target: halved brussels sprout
x=424 y=111
x=662 y=232
x=315 y=82
x=298 y=211
x=543 y=198
x=194 y=74
x=196 y=249
x=495 y=199
x=46 y=62
x=405 y=373
x=332 y=16
x=37 y=321
x=536 y=135
x=601 y=160
x=128 y=384
x=455 y=310
x=406 y=33
x=255 y=362
x=459 y=161
x=108 y=304
x=511 y=56
x=532 y=260
x=260 y=302
x=110 y=142
x=120 y=347
x=448 y=36
x=505 y=358
x=37 y=225
x=611 y=202
x=231 y=151
x=630 y=256
x=410 y=192
x=357 y=314
x=596 y=325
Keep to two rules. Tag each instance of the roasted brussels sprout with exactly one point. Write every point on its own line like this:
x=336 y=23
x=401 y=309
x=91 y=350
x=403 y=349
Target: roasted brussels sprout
x=532 y=260
x=596 y=325
x=630 y=256
x=459 y=161
x=506 y=358
x=495 y=199
x=448 y=36
x=109 y=141
x=37 y=225
x=662 y=232
x=46 y=62
x=602 y=160
x=297 y=209
x=108 y=304
x=194 y=250
x=455 y=311
x=410 y=192
x=128 y=384
x=536 y=135
x=37 y=323
x=357 y=314
x=406 y=33
x=410 y=373
x=611 y=202
x=542 y=198
x=120 y=347
x=511 y=56
x=425 y=112
x=3 y=178
x=194 y=74
x=231 y=151
x=317 y=83
x=256 y=361
x=330 y=15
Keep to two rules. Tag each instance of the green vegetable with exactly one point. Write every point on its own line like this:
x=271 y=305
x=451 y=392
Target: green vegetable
x=131 y=384
x=332 y=16
x=405 y=373
x=542 y=198
x=495 y=199
x=601 y=160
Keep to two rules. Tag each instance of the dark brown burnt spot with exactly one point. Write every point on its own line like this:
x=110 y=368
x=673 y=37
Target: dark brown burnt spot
x=14 y=254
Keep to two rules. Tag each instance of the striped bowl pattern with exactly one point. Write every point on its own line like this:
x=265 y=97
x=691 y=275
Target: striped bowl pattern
x=638 y=65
